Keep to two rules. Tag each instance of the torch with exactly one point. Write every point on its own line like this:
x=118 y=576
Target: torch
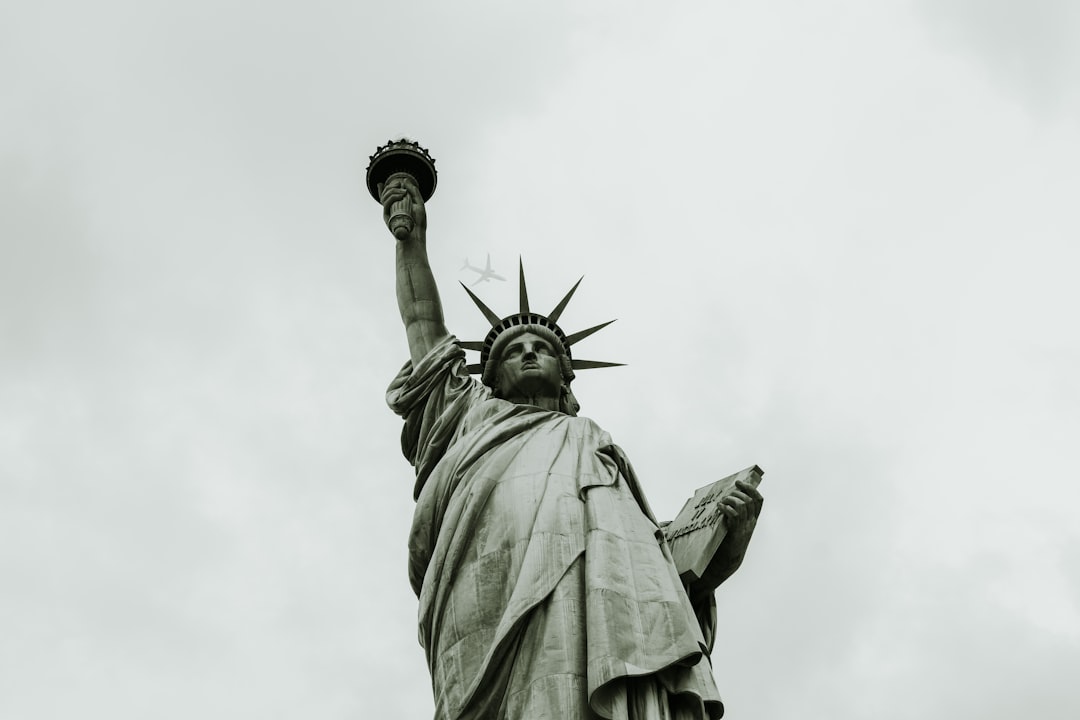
x=402 y=156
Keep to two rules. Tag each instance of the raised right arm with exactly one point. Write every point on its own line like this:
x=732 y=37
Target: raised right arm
x=417 y=295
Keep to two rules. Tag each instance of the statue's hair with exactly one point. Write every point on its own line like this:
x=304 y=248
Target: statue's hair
x=568 y=404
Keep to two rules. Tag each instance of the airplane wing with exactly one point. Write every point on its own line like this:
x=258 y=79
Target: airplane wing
x=485 y=274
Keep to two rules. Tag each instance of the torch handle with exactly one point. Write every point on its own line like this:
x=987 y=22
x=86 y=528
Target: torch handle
x=401 y=216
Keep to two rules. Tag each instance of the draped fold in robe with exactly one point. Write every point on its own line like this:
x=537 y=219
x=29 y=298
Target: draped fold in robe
x=546 y=589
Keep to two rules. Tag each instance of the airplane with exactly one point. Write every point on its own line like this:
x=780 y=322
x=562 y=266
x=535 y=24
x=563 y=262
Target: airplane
x=486 y=274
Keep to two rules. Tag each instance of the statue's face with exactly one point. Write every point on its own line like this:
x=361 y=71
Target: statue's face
x=529 y=366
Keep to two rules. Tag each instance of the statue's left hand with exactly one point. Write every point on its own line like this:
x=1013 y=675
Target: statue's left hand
x=741 y=509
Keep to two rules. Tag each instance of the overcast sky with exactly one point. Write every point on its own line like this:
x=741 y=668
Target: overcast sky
x=840 y=238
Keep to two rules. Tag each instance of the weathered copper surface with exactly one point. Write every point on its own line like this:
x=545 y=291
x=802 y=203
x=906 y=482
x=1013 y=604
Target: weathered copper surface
x=547 y=588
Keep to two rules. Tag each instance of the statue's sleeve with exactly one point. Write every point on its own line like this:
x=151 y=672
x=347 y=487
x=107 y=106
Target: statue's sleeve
x=432 y=398
x=704 y=606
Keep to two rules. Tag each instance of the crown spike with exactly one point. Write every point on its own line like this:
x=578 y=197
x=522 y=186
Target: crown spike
x=488 y=313
x=581 y=335
x=476 y=345
x=555 y=314
x=523 y=293
x=589 y=364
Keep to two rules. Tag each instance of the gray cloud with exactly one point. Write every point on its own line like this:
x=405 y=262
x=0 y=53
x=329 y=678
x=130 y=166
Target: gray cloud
x=1026 y=47
x=856 y=274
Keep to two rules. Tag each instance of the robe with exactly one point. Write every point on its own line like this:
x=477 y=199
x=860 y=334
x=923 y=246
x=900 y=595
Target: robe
x=546 y=589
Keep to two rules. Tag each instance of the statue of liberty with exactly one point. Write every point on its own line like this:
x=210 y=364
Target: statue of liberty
x=546 y=587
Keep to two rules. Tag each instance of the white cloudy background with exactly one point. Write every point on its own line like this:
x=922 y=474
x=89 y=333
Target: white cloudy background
x=840 y=238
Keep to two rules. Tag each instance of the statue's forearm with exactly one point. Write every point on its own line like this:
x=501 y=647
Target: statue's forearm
x=728 y=558
x=418 y=299
x=720 y=569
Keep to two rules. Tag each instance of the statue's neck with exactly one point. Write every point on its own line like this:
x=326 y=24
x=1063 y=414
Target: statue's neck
x=544 y=402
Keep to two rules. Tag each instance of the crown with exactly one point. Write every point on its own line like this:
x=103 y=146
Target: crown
x=525 y=316
x=402 y=155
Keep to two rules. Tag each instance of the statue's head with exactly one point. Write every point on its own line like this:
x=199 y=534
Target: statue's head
x=531 y=360
x=529 y=353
